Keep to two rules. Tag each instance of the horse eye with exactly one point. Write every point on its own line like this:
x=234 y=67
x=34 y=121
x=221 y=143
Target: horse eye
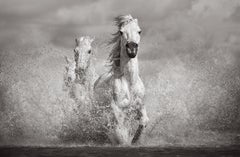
x=139 y=32
x=121 y=33
x=89 y=51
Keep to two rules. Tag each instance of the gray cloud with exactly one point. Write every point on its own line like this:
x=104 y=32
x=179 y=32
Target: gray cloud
x=59 y=22
x=235 y=16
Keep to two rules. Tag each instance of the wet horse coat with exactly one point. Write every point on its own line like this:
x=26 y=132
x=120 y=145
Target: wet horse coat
x=122 y=88
x=81 y=71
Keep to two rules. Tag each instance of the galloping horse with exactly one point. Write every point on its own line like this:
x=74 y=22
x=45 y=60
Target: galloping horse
x=81 y=72
x=122 y=88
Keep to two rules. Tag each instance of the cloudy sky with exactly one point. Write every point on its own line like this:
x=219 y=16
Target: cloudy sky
x=58 y=21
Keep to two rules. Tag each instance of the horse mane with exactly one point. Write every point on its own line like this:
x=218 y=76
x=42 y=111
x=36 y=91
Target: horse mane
x=114 y=56
x=84 y=40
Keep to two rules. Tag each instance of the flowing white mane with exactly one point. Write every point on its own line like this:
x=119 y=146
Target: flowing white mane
x=114 y=56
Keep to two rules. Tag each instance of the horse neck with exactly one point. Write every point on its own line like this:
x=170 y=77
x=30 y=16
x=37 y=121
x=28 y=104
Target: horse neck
x=91 y=72
x=129 y=67
x=87 y=76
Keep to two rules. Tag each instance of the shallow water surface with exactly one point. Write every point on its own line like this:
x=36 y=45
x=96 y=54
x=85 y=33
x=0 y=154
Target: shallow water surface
x=233 y=151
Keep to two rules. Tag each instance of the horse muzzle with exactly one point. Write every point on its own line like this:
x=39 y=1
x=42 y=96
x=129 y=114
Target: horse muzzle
x=132 y=49
x=82 y=66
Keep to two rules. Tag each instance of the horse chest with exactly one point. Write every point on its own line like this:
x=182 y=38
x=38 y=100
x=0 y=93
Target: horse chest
x=127 y=93
x=137 y=89
x=122 y=89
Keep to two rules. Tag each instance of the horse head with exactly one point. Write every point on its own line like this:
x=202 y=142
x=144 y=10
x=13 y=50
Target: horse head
x=83 y=53
x=129 y=31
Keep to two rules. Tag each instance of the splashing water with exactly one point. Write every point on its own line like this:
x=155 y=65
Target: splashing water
x=191 y=99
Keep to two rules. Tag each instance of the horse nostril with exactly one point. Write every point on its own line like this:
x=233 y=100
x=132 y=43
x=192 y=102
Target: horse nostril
x=135 y=45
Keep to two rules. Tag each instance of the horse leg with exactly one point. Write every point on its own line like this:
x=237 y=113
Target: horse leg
x=121 y=131
x=142 y=124
x=144 y=117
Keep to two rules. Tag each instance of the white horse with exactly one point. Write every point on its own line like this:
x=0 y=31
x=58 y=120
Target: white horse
x=80 y=74
x=122 y=88
x=85 y=71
